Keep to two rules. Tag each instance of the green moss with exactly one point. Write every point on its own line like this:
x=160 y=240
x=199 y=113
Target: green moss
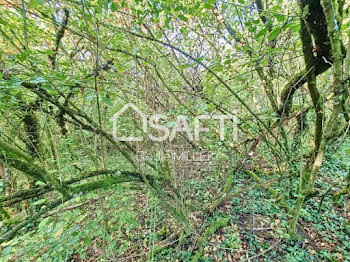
x=220 y=222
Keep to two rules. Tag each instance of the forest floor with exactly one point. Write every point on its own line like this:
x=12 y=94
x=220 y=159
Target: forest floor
x=120 y=224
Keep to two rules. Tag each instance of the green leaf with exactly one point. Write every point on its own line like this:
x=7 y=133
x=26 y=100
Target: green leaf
x=39 y=202
x=194 y=8
x=295 y=28
x=39 y=183
x=90 y=97
x=276 y=8
x=182 y=17
x=14 y=82
x=22 y=56
x=46 y=52
x=208 y=6
x=33 y=4
x=44 y=223
x=211 y=107
x=134 y=50
x=48 y=87
x=36 y=3
x=274 y=33
x=6 y=251
x=2 y=21
x=261 y=32
x=348 y=151
x=184 y=30
x=107 y=101
x=37 y=80
x=148 y=51
x=114 y=6
x=252 y=29
x=280 y=18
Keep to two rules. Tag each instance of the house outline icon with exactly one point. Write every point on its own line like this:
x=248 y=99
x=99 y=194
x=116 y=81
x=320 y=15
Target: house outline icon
x=115 y=117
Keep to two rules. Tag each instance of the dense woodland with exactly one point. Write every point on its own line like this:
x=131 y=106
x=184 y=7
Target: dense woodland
x=277 y=191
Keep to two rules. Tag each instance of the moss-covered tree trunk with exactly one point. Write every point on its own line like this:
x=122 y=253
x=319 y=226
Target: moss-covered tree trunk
x=333 y=124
